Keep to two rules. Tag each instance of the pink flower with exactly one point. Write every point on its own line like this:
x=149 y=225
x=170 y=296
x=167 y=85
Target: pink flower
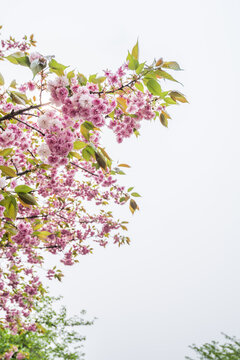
x=31 y=85
x=43 y=151
x=34 y=56
x=20 y=356
x=53 y=159
x=63 y=161
x=8 y=355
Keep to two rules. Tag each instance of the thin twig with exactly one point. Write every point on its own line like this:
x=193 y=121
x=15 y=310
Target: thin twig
x=32 y=127
x=21 y=111
x=80 y=167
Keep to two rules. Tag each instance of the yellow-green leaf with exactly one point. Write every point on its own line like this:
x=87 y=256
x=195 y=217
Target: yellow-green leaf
x=77 y=145
x=139 y=86
x=173 y=65
x=2 y=82
x=140 y=68
x=18 y=98
x=6 y=170
x=11 y=207
x=163 y=119
x=56 y=67
x=13 y=84
x=27 y=198
x=177 y=96
x=38 y=226
x=154 y=87
x=135 y=194
x=42 y=235
x=135 y=51
x=76 y=155
x=6 y=152
x=23 y=189
x=165 y=75
x=13 y=57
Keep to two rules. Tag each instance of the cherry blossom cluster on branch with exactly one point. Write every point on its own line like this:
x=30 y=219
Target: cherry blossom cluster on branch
x=57 y=182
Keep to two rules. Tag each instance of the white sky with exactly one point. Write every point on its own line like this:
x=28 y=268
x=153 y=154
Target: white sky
x=178 y=282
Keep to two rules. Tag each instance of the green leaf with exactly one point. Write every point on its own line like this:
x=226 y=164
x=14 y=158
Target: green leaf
x=105 y=153
x=6 y=152
x=10 y=228
x=100 y=160
x=18 y=97
x=177 y=96
x=173 y=65
x=70 y=75
x=170 y=101
x=23 y=60
x=140 y=68
x=92 y=77
x=13 y=57
x=75 y=154
x=77 y=145
x=2 y=82
x=88 y=125
x=85 y=128
x=111 y=115
x=136 y=132
x=11 y=207
x=139 y=86
x=154 y=87
x=6 y=170
x=56 y=67
x=135 y=51
x=23 y=189
x=13 y=84
x=37 y=66
x=150 y=75
x=88 y=152
x=86 y=155
x=130 y=189
x=45 y=166
x=119 y=172
x=163 y=119
x=135 y=194
x=82 y=80
x=100 y=79
x=42 y=235
x=38 y=226
x=85 y=132
x=132 y=62
x=165 y=75
x=27 y=198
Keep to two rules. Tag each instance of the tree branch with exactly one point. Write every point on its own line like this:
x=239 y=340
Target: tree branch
x=21 y=111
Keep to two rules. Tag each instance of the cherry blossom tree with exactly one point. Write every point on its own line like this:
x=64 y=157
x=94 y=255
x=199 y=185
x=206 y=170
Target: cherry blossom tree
x=57 y=179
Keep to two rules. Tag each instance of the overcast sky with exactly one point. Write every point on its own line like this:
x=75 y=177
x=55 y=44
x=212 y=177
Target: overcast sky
x=178 y=281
